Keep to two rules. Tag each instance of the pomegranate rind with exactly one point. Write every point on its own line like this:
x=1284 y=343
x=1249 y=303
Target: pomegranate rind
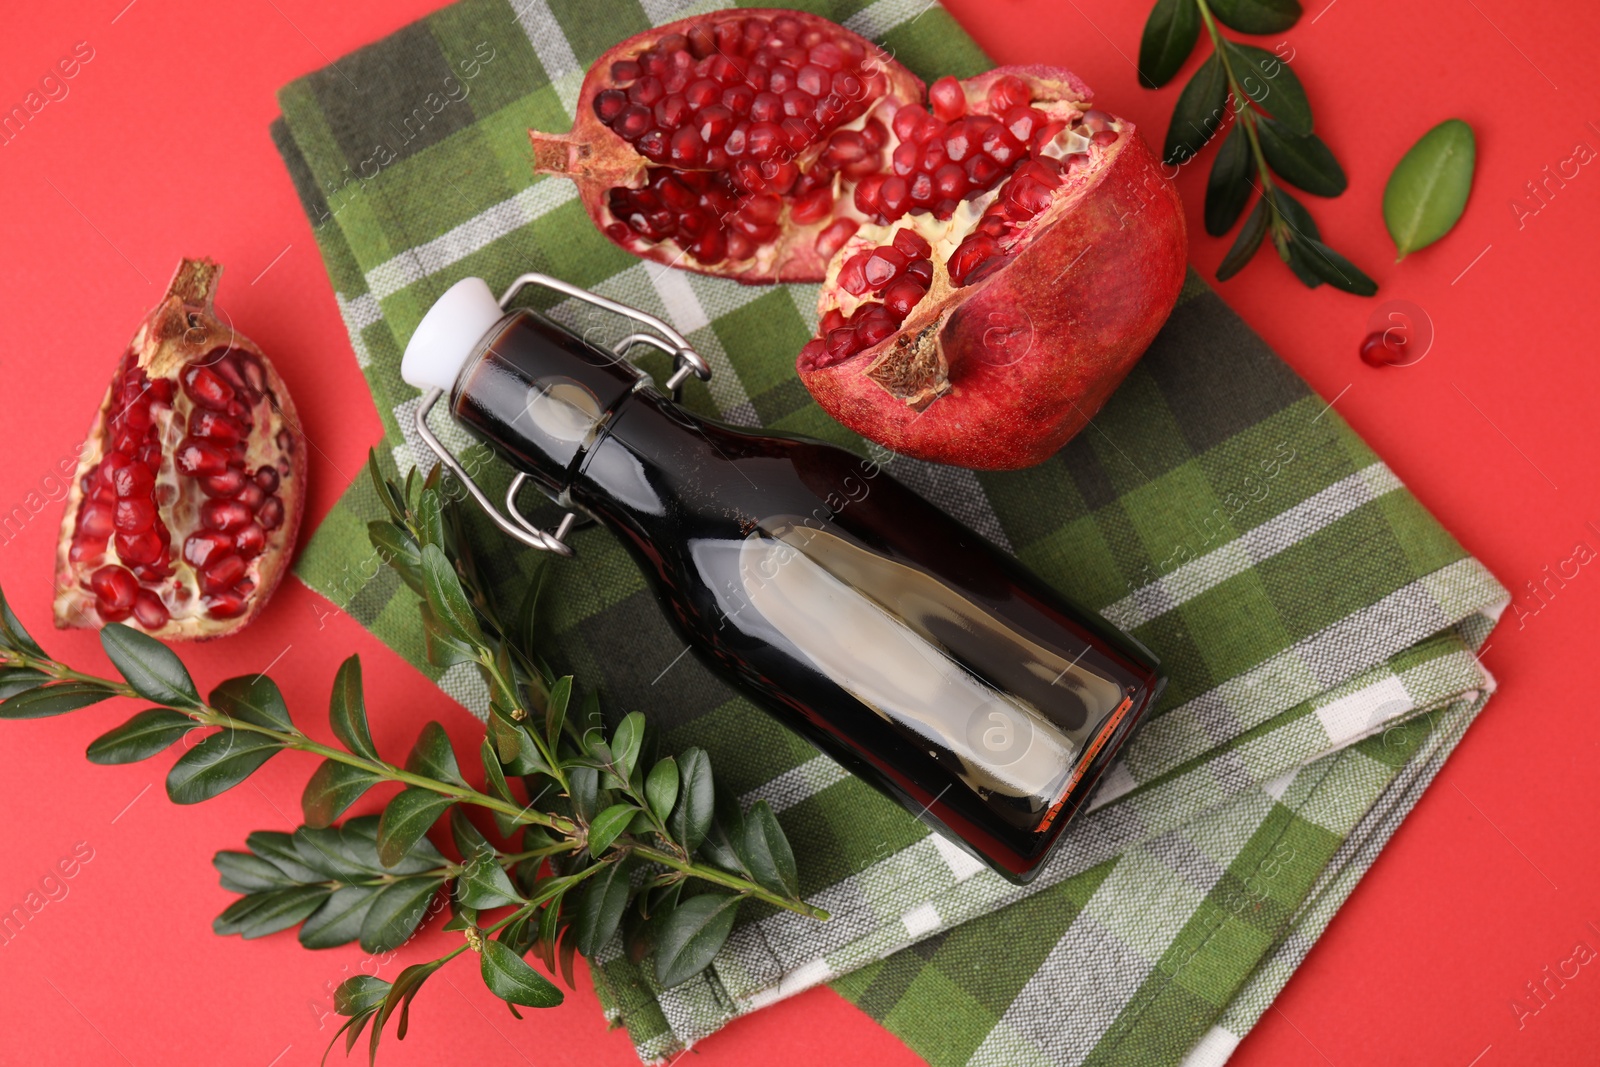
x=999 y=374
x=597 y=160
x=181 y=329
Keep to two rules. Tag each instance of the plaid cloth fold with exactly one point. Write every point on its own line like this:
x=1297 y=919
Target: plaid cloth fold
x=1319 y=627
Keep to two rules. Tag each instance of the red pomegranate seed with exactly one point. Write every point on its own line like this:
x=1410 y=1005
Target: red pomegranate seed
x=827 y=55
x=216 y=427
x=226 y=605
x=740 y=247
x=813 y=354
x=132 y=480
x=905 y=158
x=1000 y=146
x=95 y=522
x=780 y=80
x=140 y=549
x=852 y=276
x=949 y=100
x=894 y=195
x=1006 y=93
x=647 y=90
x=134 y=516
x=701 y=92
x=832 y=319
x=1047 y=133
x=874 y=134
x=876 y=325
x=270 y=514
x=671 y=111
x=834 y=235
x=1096 y=120
x=199 y=457
x=206 y=545
x=149 y=610
x=922 y=189
x=842 y=342
x=813 y=206
x=251 y=540
x=115 y=587
x=1022 y=121
x=226 y=484
x=220 y=575
x=711 y=247
x=912 y=244
x=224 y=514
x=207 y=389
x=716 y=122
x=1105 y=137
x=624 y=71
x=950 y=181
x=973 y=251
x=688 y=150
x=814 y=80
x=882 y=266
x=765 y=140
x=610 y=103
x=654 y=146
x=906 y=121
x=902 y=296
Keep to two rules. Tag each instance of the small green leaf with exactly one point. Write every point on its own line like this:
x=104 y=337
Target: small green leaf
x=493 y=773
x=766 y=853
x=381 y=486
x=1302 y=161
x=605 y=827
x=555 y=712
x=1338 y=271
x=661 y=788
x=470 y=841
x=332 y=789
x=446 y=597
x=1427 y=192
x=485 y=884
x=396 y=548
x=408 y=817
x=20 y=680
x=406 y=986
x=278 y=849
x=339 y=920
x=260 y=914
x=218 y=763
x=347 y=710
x=1228 y=189
x=600 y=911
x=626 y=742
x=584 y=785
x=433 y=757
x=430 y=521
x=395 y=912
x=340 y=854
x=144 y=735
x=442 y=647
x=56 y=699
x=691 y=816
x=1199 y=113
x=254 y=700
x=359 y=995
x=1169 y=37
x=153 y=670
x=1257 y=16
x=1270 y=82
x=690 y=936
x=510 y=978
x=245 y=873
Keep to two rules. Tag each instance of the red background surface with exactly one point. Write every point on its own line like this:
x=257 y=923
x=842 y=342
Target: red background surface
x=161 y=150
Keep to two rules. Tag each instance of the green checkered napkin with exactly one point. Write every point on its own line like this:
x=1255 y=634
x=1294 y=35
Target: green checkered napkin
x=1318 y=626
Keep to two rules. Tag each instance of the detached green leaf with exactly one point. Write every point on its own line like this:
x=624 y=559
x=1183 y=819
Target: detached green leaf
x=332 y=789
x=1257 y=16
x=1302 y=161
x=359 y=995
x=395 y=912
x=43 y=701
x=661 y=787
x=347 y=710
x=690 y=935
x=144 y=735
x=153 y=670
x=446 y=597
x=607 y=825
x=218 y=763
x=408 y=817
x=260 y=914
x=600 y=911
x=485 y=884
x=510 y=978
x=433 y=757
x=766 y=853
x=1270 y=82
x=1428 y=190
x=339 y=920
x=1199 y=113
x=1228 y=189
x=691 y=816
x=253 y=700
x=1169 y=37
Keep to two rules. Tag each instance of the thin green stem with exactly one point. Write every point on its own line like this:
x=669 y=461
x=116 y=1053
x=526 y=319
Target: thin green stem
x=1244 y=114
x=731 y=881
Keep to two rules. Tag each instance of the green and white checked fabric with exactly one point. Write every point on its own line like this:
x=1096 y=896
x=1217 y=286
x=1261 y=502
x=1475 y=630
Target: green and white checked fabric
x=1318 y=626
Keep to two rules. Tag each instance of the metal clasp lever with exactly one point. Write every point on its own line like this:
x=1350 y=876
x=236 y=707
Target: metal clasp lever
x=512 y=522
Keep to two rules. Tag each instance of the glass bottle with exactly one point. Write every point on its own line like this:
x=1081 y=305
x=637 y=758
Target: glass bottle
x=895 y=639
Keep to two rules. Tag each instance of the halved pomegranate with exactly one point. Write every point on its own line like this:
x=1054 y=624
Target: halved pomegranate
x=190 y=487
x=995 y=263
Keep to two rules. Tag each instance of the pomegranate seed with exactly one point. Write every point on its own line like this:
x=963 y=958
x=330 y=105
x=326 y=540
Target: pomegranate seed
x=847 y=146
x=133 y=480
x=227 y=484
x=624 y=71
x=1096 y=120
x=949 y=100
x=270 y=514
x=812 y=354
x=86 y=549
x=609 y=103
x=827 y=55
x=654 y=146
x=912 y=244
x=206 y=545
x=224 y=514
x=905 y=158
x=813 y=207
x=716 y=122
x=842 y=342
x=883 y=266
x=1029 y=196
x=671 y=111
x=701 y=42
x=1380 y=350
x=1105 y=137
x=932 y=157
x=139 y=548
x=765 y=140
x=782 y=179
x=95 y=522
x=1007 y=92
x=701 y=92
x=832 y=319
x=902 y=296
x=207 y=389
x=688 y=149
x=950 y=181
x=973 y=251
x=922 y=188
x=766 y=107
x=134 y=516
x=780 y=80
x=1047 y=133
x=149 y=611
x=1000 y=146
x=876 y=325
x=712 y=247
x=738 y=98
x=1022 y=121
x=647 y=90
x=633 y=122
x=251 y=540
x=226 y=605
x=216 y=427
x=905 y=122
x=982 y=171
x=114 y=587
x=200 y=457
x=834 y=235
x=852 y=276
x=894 y=195
x=221 y=574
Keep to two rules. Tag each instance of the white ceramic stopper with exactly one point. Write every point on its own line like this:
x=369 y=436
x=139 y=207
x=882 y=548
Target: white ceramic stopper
x=448 y=335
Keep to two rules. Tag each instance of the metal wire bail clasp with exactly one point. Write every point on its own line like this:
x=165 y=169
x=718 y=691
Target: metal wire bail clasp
x=686 y=361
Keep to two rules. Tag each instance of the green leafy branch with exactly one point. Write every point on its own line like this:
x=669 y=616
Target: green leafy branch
x=1271 y=134
x=608 y=839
